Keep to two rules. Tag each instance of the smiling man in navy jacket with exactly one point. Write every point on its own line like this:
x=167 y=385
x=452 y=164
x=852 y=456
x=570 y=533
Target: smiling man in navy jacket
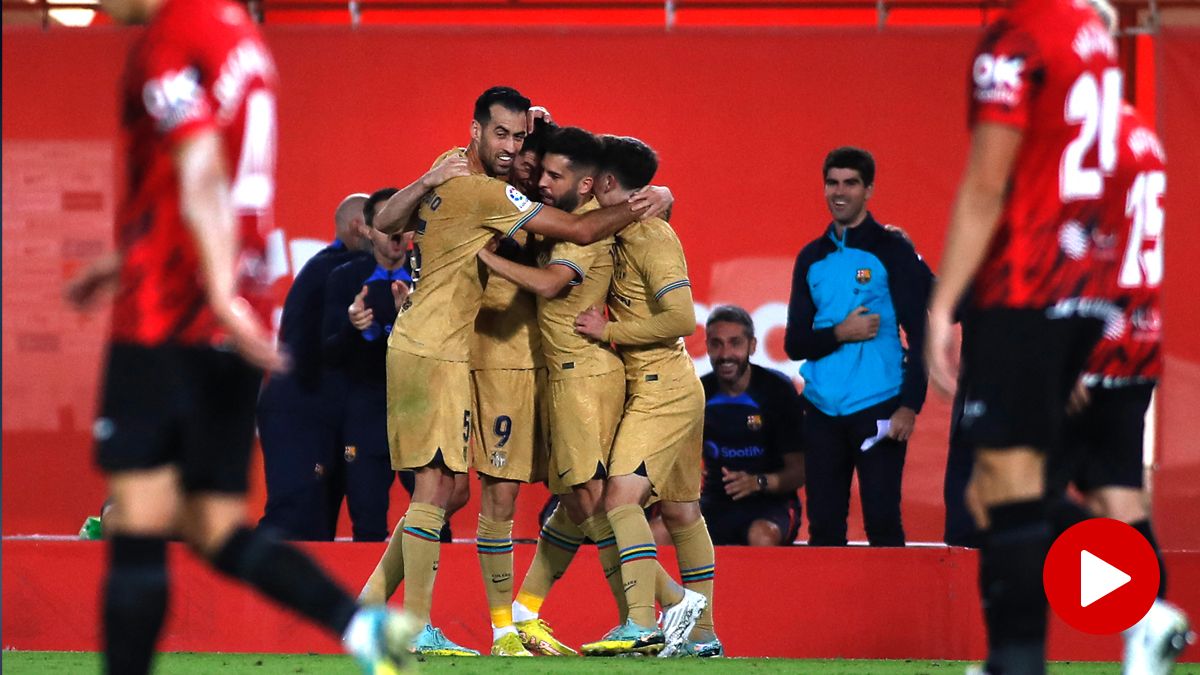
x=854 y=288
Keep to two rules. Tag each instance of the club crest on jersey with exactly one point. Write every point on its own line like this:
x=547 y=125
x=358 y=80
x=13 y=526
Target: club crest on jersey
x=518 y=199
x=754 y=422
x=863 y=275
x=350 y=453
x=499 y=459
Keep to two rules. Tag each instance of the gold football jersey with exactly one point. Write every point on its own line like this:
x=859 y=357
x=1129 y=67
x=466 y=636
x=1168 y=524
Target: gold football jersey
x=569 y=354
x=648 y=263
x=456 y=219
x=506 y=334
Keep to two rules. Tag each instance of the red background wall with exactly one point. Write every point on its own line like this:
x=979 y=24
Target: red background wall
x=741 y=118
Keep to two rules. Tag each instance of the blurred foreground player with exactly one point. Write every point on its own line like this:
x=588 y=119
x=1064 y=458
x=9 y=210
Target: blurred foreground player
x=1044 y=111
x=188 y=344
x=1045 y=98
x=1104 y=434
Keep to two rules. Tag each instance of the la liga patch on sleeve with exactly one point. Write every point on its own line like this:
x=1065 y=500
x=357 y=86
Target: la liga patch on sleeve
x=518 y=199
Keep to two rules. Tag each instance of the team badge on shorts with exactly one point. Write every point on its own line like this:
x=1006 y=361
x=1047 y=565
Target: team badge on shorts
x=350 y=453
x=499 y=459
x=753 y=422
x=863 y=276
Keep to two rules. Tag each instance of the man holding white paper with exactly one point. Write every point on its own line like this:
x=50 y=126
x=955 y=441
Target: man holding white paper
x=854 y=288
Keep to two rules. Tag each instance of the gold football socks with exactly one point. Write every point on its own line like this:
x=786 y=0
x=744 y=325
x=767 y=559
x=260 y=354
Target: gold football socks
x=697 y=564
x=598 y=529
x=422 y=548
x=388 y=574
x=639 y=558
x=493 y=541
x=556 y=548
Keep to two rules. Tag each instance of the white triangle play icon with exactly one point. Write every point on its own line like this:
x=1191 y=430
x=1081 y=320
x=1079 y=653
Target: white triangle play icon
x=1097 y=578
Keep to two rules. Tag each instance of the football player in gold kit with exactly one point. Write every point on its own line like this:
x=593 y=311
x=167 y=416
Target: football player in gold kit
x=656 y=453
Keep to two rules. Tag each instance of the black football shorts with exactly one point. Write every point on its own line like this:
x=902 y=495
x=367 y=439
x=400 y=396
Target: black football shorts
x=1019 y=367
x=1104 y=442
x=188 y=406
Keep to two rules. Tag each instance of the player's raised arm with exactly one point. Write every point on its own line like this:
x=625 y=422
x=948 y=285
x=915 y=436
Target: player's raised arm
x=399 y=209
x=675 y=317
x=547 y=282
x=585 y=229
x=973 y=221
x=207 y=211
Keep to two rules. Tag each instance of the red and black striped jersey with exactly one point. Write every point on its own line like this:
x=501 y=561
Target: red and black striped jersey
x=200 y=65
x=1049 y=69
x=1129 y=254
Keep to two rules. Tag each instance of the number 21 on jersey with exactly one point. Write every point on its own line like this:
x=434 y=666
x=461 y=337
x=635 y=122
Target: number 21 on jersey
x=1096 y=107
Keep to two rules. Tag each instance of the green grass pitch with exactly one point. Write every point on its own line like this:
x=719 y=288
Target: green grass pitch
x=77 y=663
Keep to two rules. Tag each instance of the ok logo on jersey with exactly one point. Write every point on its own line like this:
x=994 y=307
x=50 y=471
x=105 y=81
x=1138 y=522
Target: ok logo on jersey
x=998 y=78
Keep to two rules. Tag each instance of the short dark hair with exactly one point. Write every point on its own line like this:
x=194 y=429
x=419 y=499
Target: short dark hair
x=847 y=157
x=536 y=140
x=731 y=314
x=579 y=146
x=631 y=161
x=507 y=97
x=380 y=195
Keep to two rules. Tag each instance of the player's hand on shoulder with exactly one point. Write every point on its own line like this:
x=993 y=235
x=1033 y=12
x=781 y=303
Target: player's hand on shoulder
x=249 y=337
x=454 y=166
x=83 y=290
x=652 y=201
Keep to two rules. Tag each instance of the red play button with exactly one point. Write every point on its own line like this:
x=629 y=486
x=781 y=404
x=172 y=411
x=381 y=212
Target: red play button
x=1101 y=576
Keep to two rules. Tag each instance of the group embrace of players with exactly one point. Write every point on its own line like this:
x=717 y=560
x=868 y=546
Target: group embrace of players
x=504 y=359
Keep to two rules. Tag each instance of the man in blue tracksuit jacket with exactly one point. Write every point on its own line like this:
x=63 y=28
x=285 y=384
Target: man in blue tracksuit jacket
x=299 y=419
x=853 y=289
x=360 y=307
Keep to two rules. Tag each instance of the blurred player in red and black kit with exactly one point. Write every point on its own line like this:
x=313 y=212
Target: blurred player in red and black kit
x=1044 y=112
x=188 y=341
x=1104 y=432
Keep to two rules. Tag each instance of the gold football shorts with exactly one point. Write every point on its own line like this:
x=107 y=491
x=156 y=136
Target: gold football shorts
x=584 y=414
x=663 y=429
x=510 y=413
x=428 y=411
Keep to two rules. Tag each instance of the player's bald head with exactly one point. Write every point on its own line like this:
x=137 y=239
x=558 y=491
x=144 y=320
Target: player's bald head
x=347 y=212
